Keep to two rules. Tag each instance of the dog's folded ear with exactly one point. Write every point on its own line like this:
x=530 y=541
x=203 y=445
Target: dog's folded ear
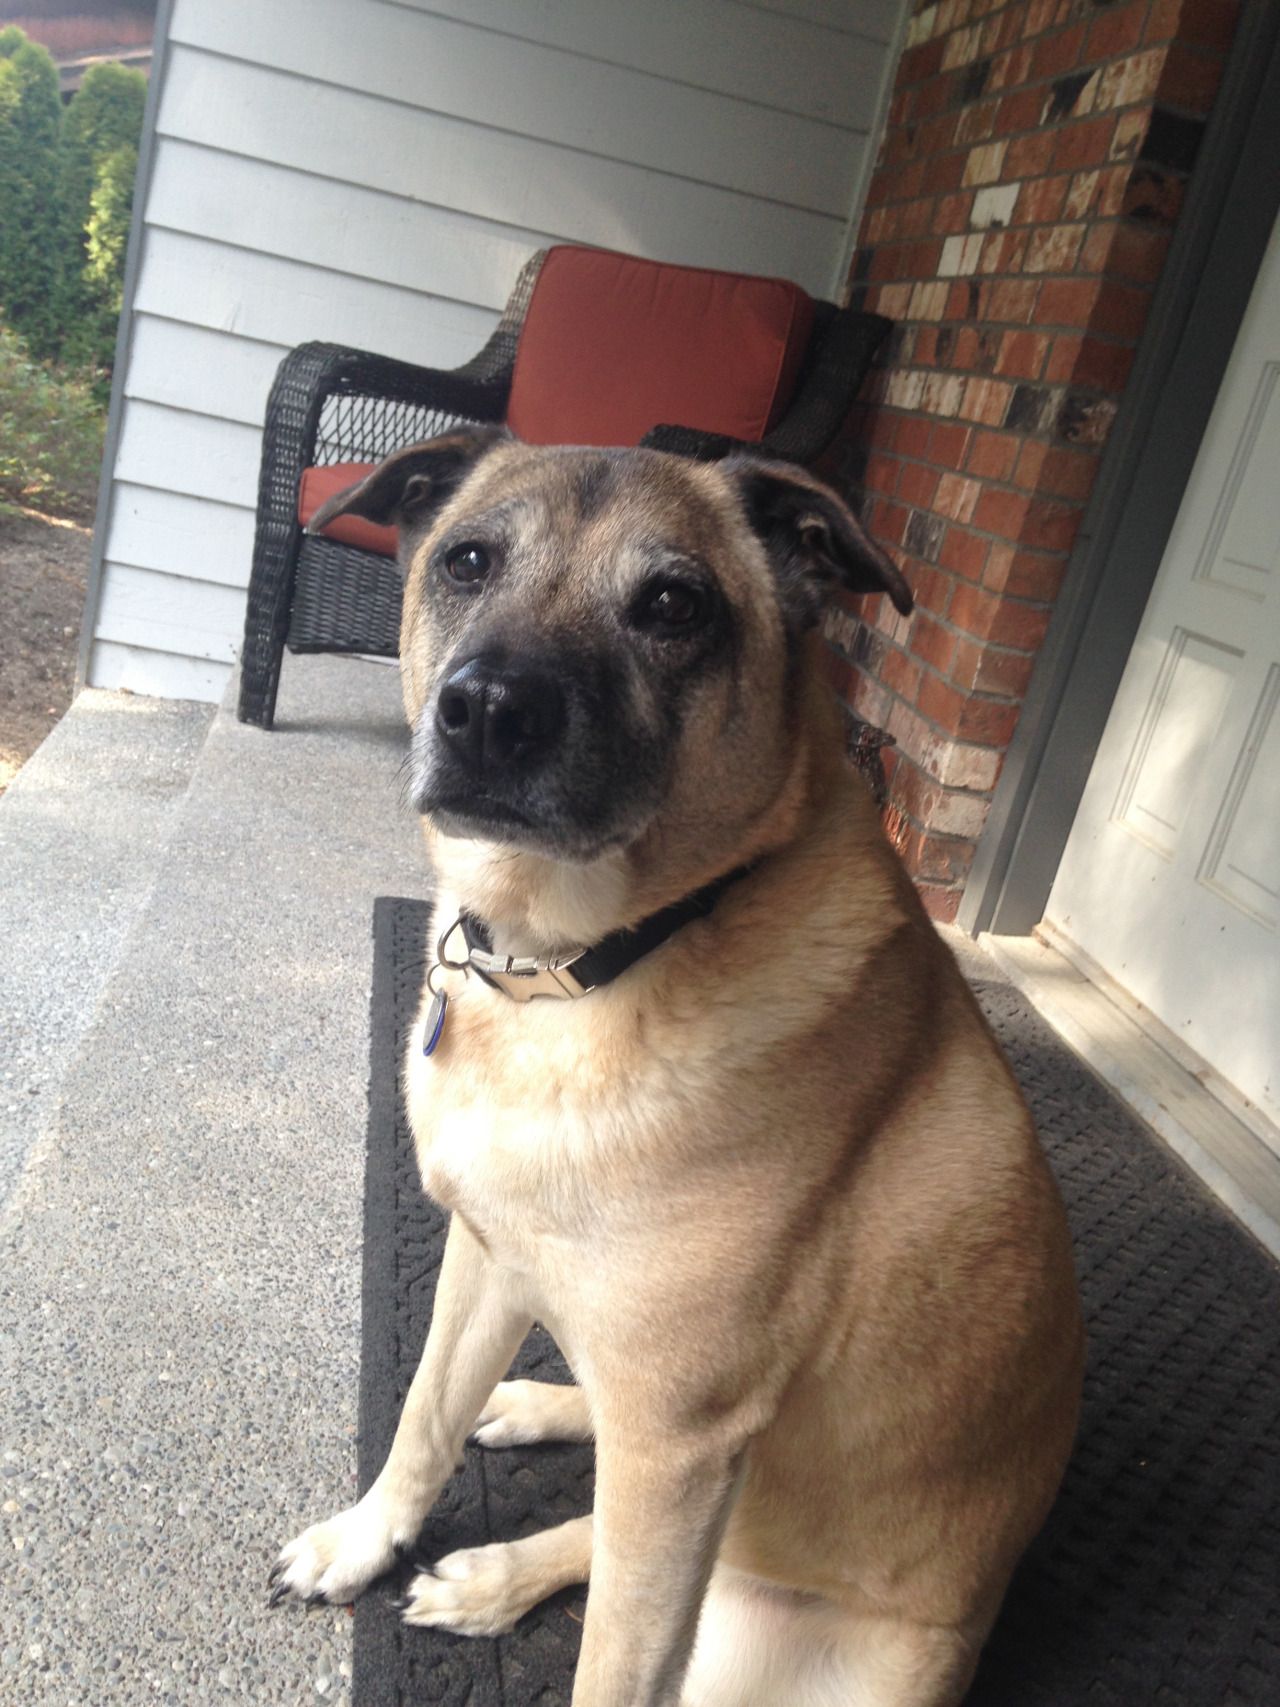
x=814 y=540
x=413 y=482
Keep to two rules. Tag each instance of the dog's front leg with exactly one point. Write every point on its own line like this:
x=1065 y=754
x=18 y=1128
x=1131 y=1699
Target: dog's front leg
x=477 y=1325
x=661 y=1507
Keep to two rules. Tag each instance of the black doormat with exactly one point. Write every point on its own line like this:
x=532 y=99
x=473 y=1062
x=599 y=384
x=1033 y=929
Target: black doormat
x=1156 y=1582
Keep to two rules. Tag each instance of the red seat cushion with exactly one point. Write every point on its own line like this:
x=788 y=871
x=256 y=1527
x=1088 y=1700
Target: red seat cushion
x=318 y=485
x=613 y=345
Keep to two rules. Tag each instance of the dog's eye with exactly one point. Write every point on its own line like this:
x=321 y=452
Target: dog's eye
x=467 y=563
x=673 y=607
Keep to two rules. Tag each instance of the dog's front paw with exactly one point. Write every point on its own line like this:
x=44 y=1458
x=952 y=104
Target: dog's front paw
x=521 y=1413
x=334 y=1561
x=480 y=1591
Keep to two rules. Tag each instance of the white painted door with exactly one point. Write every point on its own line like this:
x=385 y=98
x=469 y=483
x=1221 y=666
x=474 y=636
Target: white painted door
x=1171 y=876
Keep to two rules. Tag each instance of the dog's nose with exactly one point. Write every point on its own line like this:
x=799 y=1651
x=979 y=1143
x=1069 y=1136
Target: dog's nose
x=497 y=716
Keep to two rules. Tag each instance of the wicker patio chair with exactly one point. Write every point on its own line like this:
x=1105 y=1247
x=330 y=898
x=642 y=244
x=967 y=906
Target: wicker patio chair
x=331 y=405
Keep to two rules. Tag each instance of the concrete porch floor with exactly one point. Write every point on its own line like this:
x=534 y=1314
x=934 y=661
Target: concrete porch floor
x=185 y=953
x=180 y=1245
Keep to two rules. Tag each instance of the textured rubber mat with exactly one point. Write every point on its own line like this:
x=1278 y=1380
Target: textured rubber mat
x=1156 y=1582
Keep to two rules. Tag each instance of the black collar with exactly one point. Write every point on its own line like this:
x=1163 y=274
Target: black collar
x=579 y=971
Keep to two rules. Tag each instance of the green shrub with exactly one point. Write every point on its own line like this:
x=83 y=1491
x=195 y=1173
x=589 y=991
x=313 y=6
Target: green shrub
x=51 y=430
x=30 y=116
x=97 y=161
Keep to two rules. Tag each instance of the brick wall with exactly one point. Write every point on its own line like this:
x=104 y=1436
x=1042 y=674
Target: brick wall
x=1032 y=168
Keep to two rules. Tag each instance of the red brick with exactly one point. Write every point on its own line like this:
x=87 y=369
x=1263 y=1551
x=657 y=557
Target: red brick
x=917 y=484
x=1019 y=111
x=956 y=497
x=1081 y=198
x=932 y=643
x=985 y=401
x=1083 y=144
x=933 y=589
x=1115 y=32
x=1105 y=367
x=992 y=455
x=900 y=673
x=920 y=62
x=1022 y=354
x=1050 y=526
x=1029 y=156
x=942 y=173
x=989 y=722
x=1004 y=673
x=1040 y=202
x=923 y=351
x=888 y=522
x=934 y=97
x=1009 y=300
x=975 y=351
x=951 y=213
x=1058 y=53
x=1129 y=82
x=977 y=122
x=1003 y=251
x=1063 y=357
x=912 y=436
x=948 y=443
x=1001 y=512
x=1061 y=473
x=964 y=553
x=1023 y=574
x=1011 y=69
x=881 y=473
x=1067 y=302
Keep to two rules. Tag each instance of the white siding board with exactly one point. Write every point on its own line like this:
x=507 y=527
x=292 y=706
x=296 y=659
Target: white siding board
x=169 y=532
x=195 y=454
x=165 y=675
x=519 y=86
x=710 y=45
x=170 y=613
x=287 y=302
x=276 y=210
x=873 y=18
x=376 y=172
x=343 y=134
x=213 y=373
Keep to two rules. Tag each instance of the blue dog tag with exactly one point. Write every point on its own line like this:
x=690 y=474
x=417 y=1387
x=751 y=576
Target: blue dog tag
x=435 y=1022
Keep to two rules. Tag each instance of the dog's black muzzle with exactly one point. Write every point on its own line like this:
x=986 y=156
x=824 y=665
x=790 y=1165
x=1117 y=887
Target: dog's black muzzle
x=535 y=749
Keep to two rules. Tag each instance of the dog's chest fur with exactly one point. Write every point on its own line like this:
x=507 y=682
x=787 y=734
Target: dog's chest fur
x=518 y=1121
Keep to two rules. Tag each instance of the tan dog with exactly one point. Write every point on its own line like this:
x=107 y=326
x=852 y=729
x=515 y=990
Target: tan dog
x=772 y=1188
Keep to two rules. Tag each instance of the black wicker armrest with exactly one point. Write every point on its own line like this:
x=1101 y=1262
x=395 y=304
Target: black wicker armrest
x=838 y=360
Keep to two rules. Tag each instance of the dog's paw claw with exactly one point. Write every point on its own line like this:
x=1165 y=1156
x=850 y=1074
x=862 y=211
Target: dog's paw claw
x=279 y=1592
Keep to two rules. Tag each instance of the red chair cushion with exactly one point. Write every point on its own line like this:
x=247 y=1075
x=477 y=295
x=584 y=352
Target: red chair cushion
x=613 y=345
x=318 y=485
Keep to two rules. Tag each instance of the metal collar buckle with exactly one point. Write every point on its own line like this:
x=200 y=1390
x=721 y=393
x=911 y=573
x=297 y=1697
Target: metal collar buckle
x=521 y=977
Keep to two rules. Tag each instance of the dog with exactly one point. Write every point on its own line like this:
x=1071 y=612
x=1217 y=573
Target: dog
x=753 y=1158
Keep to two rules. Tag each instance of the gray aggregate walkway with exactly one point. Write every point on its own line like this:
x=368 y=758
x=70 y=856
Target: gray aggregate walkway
x=180 y=1258
x=82 y=831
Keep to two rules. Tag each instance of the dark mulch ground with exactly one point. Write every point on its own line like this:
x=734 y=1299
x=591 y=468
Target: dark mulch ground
x=44 y=566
